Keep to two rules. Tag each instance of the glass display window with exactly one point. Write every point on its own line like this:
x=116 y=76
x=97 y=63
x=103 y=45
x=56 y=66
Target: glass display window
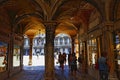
x=117 y=53
x=92 y=51
x=3 y=56
x=16 y=56
x=118 y=48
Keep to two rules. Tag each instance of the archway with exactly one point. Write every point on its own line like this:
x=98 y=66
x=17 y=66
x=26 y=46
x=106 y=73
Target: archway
x=62 y=44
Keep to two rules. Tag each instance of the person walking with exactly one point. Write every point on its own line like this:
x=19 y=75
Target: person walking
x=103 y=67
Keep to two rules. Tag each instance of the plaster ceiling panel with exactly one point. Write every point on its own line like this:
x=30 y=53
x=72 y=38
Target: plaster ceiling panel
x=34 y=29
x=67 y=28
x=30 y=19
x=76 y=12
x=21 y=7
x=31 y=32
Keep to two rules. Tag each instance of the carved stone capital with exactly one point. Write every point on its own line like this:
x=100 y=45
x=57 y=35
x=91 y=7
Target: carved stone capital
x=108 y=26
x=50 y=23
x=50 y=33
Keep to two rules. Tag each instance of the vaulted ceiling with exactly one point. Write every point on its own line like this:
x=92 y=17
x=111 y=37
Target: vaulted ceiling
x=30 y=15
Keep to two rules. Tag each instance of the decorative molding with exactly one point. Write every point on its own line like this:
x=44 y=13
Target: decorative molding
x=92 y=33
x=17 y=39
x=94 y=29
x=4 y=36
x=117 y=26
x=107 y=26
x=83 y=37
x=49 y=23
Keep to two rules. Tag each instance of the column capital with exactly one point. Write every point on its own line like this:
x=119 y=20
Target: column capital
x=50 y=23
x=108 y=26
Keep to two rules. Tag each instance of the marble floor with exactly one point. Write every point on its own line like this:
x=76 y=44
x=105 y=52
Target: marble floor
x=37 y=73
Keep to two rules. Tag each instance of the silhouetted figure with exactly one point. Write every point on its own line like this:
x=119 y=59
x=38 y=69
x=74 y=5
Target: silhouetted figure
x=61 y=61
x=73 y=64
x=103 y=67
x=80 y=59
x=64 y=56
x=69 y=55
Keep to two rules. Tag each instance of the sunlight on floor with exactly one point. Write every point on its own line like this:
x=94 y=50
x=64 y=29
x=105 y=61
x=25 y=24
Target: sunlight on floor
x=37 y=60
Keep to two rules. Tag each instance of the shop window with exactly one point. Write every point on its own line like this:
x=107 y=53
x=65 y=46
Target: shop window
x=92 y=52
x=118 y=48
x=117 y=54
x=16 y=56
x=3 y=56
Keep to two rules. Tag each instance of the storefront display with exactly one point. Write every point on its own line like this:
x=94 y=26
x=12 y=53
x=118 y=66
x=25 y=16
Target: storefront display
x=117 y=53
x=3 y=56
x=16 y=56
x=92 y=52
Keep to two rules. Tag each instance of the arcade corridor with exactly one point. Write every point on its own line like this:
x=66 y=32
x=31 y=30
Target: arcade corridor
x=37 y=73
x=29 y=28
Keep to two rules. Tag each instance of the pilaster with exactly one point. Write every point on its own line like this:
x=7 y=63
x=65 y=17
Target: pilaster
x=108 y=47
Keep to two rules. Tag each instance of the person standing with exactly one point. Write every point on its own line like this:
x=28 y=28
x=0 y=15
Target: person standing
x=73 y=64
x=64 y=56
x=61 y=61
x=103 y=67
x=69 y=60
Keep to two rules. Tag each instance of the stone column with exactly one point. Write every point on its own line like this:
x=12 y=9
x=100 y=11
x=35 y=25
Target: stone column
x=49 y=51
x=98 y=46
x=21 y=52
x=84 y=53
x=108 y=46
x=30 y=49
x=10 y=55
x=77 y=46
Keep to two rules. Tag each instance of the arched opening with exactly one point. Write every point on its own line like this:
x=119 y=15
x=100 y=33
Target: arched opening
x=37 y=55
x=62 y=44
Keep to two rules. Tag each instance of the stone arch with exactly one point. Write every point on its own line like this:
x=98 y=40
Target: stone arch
x=67 y=28
x=99 y=7
x=116 y=11
x=27 y=22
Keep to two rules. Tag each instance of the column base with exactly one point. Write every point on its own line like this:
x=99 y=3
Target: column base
x=30 y=62
x=49 y=77
x=113 y=77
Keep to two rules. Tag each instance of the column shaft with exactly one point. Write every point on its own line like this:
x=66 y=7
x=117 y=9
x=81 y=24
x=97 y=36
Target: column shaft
x=49 y=52
x=107 y=46
x=84 y=52
x=30 y=51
